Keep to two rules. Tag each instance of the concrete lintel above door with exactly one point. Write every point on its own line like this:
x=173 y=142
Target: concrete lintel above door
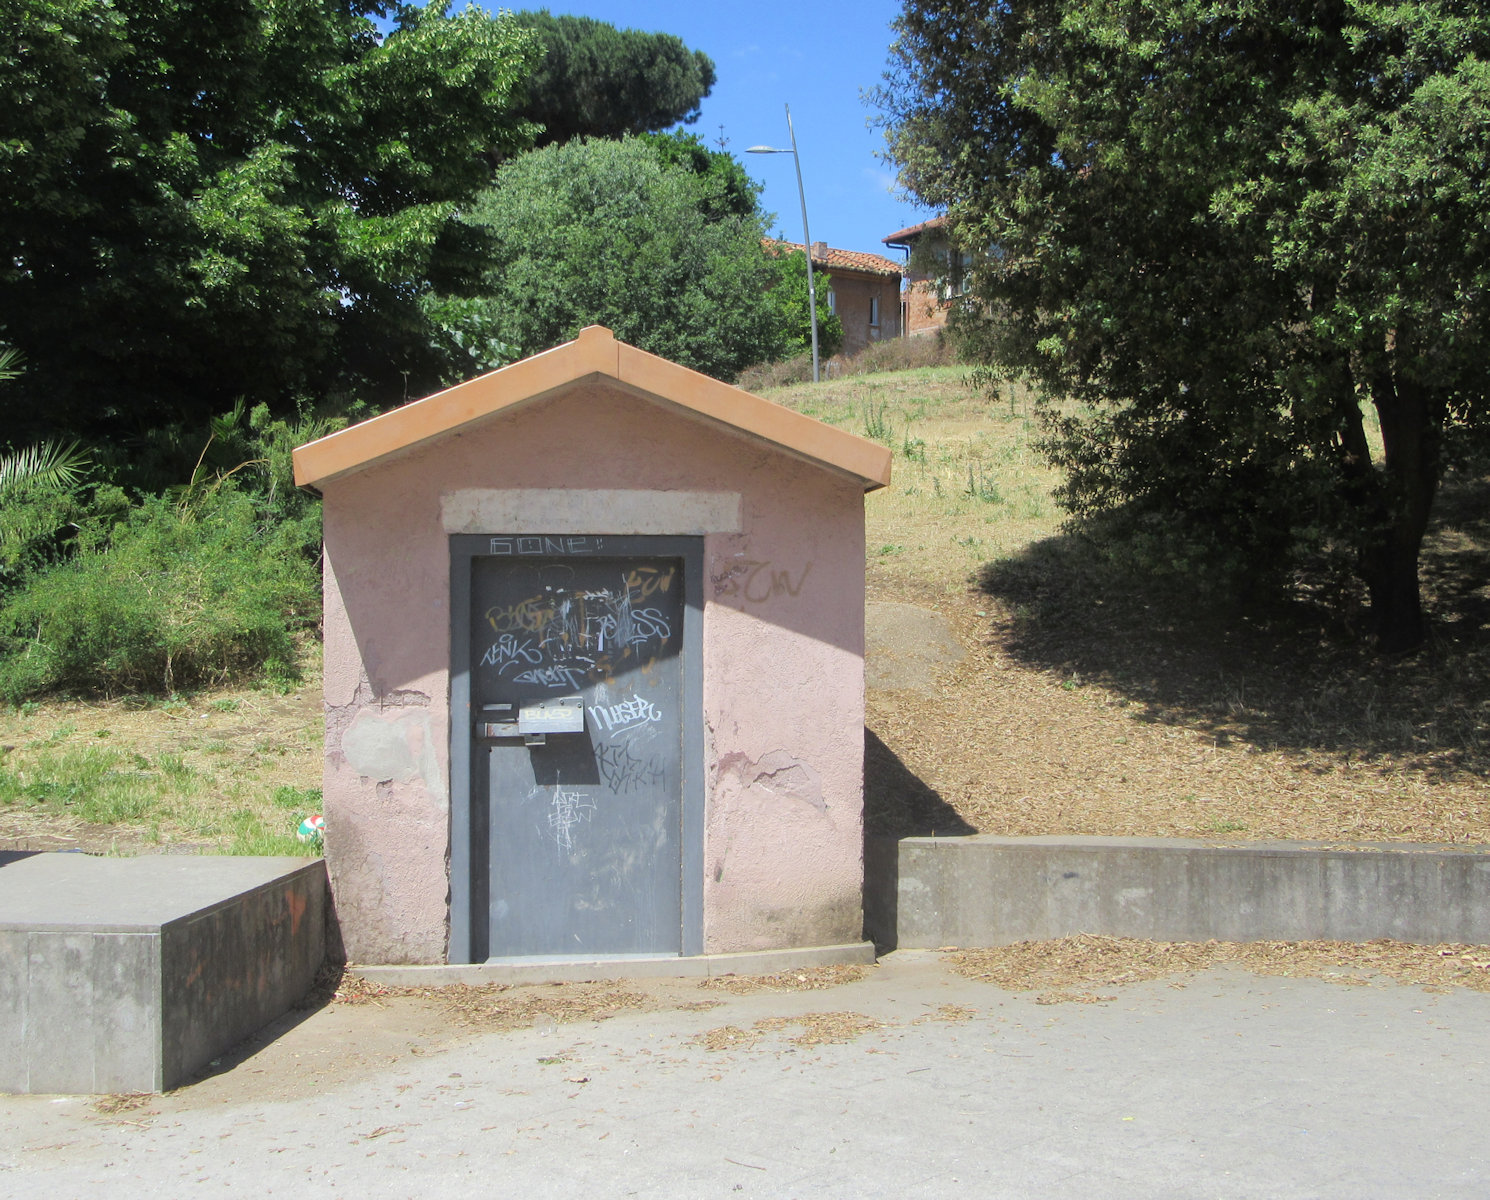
x=594 y=510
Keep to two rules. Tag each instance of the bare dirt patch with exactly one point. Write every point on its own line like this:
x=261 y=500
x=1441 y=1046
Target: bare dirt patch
x=1066 y=969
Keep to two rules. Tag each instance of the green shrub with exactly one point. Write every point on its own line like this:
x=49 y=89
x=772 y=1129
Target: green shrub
x=174 y=595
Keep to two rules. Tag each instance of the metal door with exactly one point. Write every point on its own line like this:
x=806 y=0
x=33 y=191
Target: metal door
x=577 y=698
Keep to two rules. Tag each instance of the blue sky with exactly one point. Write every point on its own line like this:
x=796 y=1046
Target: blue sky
x=817 y=56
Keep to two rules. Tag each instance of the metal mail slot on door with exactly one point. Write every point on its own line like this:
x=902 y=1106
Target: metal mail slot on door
x=533 y=719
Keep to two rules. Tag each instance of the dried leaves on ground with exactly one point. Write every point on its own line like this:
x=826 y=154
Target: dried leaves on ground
x=122 y=1102
x=1064 y=969
x=807 y=979
x=816 y=1029
x=498 y=1006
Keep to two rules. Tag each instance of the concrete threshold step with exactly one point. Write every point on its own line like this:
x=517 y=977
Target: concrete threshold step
x=636 y=966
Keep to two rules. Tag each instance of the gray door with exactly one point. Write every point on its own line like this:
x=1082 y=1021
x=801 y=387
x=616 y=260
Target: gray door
x=577 y=703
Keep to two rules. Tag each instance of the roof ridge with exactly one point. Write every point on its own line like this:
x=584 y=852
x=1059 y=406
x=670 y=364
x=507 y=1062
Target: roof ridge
x=594 y=352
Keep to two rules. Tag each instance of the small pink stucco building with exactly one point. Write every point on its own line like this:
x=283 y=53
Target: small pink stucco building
x=594 y=667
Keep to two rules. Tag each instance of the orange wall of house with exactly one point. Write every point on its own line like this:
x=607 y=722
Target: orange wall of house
x=851 y=296
x=924 y=310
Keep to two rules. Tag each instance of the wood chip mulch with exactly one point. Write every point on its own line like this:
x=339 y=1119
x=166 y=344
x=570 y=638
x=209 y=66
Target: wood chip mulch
x=808 y=979
x=1067 y=969
x=817 y=1029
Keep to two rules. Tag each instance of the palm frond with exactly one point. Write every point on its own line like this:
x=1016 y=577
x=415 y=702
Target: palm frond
x=48 y=463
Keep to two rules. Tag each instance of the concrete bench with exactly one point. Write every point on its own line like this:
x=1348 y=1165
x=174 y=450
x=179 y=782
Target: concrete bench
x=130 y=974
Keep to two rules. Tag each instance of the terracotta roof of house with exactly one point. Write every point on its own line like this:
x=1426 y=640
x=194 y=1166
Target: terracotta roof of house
x=901 y=236
x=595 y=354
x=844 y=260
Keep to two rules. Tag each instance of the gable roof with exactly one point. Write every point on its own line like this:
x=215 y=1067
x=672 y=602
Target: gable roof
x=903 y=236
x=831 y=258
x=595 y=354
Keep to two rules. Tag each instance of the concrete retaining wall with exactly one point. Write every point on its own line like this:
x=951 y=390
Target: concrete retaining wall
x=991 y=891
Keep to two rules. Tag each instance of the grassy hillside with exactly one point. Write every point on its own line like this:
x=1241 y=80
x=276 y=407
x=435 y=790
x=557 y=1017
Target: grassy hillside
x=1094 y=702
x=1017 y=684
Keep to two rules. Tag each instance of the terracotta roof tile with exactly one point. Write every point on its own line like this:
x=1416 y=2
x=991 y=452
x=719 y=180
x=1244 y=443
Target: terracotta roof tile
x=845 y=260
x=901 y=236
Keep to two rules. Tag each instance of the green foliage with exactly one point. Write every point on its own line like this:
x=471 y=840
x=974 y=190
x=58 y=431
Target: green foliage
x=790 y=296
x=725 y=188
x=44 y=465
x=594 y=80
x=1231 y=233
x=40 y=503
x=301 y=800
x=250 y=198
x=601 y=232
x=176 y=594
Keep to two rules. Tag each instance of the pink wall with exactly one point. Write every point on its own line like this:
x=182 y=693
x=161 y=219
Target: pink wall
x=783 y=668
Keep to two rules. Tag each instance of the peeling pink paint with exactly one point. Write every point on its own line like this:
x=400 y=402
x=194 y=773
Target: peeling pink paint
x=783 y=645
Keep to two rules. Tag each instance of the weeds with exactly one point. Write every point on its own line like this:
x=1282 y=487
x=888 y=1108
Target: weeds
x=191 y=793
x=981 y=485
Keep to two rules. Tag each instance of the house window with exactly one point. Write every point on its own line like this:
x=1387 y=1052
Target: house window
x=832 y=302
x=874 y=311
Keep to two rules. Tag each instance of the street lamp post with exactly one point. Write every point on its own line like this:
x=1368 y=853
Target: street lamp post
x=806 y=236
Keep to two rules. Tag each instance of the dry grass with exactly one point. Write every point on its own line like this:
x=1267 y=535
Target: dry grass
x=502 y=1007
x=495 y=1007
x=817 y=1029
x=949 y=1014
x=1066 y=969
x=725 y=1038
x=227 y=770
x=117 y=1103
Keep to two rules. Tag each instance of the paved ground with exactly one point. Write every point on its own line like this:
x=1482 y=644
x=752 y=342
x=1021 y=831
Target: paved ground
x=1232 y=1085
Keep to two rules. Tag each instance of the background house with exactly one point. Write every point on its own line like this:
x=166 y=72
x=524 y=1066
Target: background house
x=863 y=292
x=933 y=275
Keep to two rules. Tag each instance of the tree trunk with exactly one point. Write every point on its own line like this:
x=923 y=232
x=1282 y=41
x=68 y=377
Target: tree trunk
x=1390 y=571
x=1411 y=423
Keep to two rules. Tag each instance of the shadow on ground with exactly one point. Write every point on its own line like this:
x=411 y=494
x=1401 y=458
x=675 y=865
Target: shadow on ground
x=1295 y=675
x=897 y=803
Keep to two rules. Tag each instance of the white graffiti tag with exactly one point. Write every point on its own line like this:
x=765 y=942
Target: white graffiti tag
x=566 y=811
x=553 y=677
x=507 y=652
x=628 y=714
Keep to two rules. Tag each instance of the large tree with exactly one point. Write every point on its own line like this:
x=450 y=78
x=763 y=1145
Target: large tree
x=1250 y=238
x=594 y=80
x=613 y=233
x=208 y=199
